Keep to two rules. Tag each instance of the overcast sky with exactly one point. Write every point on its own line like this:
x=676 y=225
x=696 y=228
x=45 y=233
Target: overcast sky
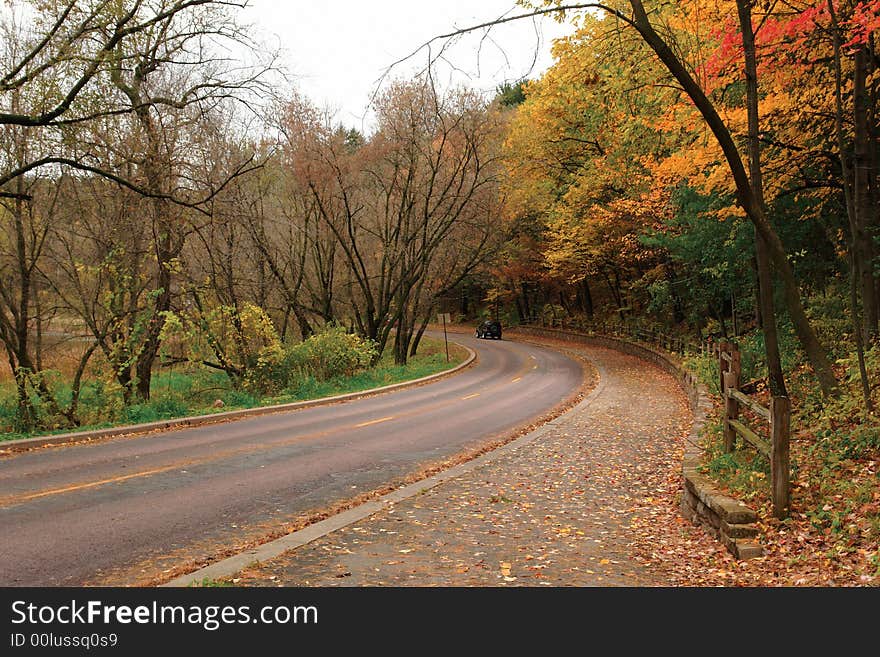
x=338 y=50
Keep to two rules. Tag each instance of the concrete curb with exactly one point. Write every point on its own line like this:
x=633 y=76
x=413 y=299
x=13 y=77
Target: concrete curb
x=232 y=565
x=13 y=446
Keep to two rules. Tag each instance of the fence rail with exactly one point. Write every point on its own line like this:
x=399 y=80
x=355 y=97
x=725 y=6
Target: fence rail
x=775 y=448
x=750 y=403
x=672 y=343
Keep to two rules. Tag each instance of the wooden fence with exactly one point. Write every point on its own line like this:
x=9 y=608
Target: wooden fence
x=654 y=336
x=776 y=447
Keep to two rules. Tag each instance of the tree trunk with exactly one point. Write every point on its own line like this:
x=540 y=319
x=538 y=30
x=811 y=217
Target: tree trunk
x=776 y=378
x=402 y=339
x=305 y=328
x=865 y=211
x=720 y=317
x=768 y=311
x=586 y=298
x=417 y=338
x=873 y=147
x=523 y=317
x=525 y=300
x=464 y=302
x=848 y=195
x=166 y=251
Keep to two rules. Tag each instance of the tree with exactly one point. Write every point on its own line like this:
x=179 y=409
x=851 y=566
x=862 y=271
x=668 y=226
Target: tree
x=756 y=180
x=84 y=67
x=432 y=172
x=54 y=79
x=395 y=204
x=634 y=15
x=746 y=194
x=576 y=153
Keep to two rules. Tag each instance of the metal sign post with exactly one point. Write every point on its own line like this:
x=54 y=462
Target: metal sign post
x=443 y=318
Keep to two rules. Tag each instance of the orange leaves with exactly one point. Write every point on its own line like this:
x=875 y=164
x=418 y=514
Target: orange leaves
x=576 y=150
x=604 y=139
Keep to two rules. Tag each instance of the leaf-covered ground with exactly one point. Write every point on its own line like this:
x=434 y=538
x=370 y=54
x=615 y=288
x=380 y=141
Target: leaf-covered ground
x=831 y=538
x=594 y=502
x=570 y=509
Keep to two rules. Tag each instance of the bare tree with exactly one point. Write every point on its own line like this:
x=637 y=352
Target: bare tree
x=56 y=76
x=435 y=172
x=77 y=76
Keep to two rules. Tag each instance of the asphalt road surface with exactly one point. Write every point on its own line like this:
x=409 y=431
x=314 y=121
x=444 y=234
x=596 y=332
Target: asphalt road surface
x=71 y=515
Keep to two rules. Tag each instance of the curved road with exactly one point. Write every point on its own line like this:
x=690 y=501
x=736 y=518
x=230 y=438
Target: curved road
x=76 y=515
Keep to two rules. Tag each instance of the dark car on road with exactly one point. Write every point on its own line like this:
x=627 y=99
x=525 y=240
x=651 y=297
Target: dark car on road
x=491 y=328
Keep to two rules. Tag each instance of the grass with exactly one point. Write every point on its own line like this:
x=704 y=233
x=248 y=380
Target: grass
x=188 y=391
x=211 y=583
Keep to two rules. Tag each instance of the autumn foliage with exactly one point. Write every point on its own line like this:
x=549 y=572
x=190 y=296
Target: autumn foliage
x=634 y=203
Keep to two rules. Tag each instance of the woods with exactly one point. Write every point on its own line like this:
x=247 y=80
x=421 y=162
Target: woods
x=665 y=127
x=163 y=204
x=709 y=168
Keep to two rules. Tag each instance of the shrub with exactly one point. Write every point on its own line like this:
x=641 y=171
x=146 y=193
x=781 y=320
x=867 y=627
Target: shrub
x=9 y=418
x=705 y=368
x=241 y=340
x=100 y=401
x=331 y=353
x=831 y=318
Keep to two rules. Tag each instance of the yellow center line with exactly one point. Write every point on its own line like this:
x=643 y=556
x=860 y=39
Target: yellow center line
x=476 y=394
x=371 y=422
x=92 y=484
x=216 y=456
x=12 y=500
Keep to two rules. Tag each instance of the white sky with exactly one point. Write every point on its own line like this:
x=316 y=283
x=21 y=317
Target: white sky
x=337 y=50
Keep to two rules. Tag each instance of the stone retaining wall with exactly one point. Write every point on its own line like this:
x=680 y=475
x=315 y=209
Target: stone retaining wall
x=727 y=519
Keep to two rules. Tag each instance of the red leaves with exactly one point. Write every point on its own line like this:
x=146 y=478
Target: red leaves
x=781 y=37
x=865 y=20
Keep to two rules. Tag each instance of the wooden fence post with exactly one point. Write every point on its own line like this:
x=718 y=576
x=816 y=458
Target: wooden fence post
x=723 y=365
x=780 y=460
x=731 y=410
x=736 y=362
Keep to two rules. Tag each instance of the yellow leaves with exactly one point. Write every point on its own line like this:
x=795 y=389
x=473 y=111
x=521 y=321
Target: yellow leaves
x=238 y=335
x=505 y=569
